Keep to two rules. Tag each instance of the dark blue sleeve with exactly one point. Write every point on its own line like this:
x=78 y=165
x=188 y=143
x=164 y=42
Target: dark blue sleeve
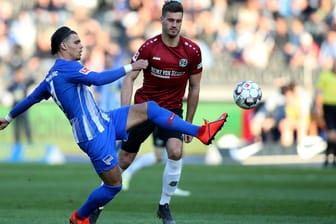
x=40 y=92
x=98 y=78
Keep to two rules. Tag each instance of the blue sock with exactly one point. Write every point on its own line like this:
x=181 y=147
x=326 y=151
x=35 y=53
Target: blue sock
x=98 y=198
x=167 y=119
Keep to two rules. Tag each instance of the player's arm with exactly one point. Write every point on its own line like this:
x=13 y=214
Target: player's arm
x=109 y=76
x=193 y=96
x=39 y=93
x=194 y=83
x=127 y=88
x=192 y=100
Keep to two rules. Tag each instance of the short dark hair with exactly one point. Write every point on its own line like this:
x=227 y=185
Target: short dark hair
x=172 y=6
x=58 y=37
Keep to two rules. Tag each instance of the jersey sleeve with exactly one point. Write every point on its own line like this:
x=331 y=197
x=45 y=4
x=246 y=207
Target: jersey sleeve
x=39 y=93
x=88 y=77
x=142 y=52
x=196 y=61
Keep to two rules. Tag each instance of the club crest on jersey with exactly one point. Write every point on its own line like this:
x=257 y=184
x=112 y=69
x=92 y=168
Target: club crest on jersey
x=183 y=62
x=84 y=70
x=108 y=159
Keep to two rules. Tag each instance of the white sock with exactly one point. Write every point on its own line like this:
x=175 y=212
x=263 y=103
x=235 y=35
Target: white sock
x=170 y=179
x=147 y=159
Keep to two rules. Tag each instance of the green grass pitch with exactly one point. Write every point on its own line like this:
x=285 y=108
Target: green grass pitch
x=36 y=194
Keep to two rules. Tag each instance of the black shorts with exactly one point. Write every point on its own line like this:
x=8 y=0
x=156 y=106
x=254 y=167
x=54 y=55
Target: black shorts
x=140 y=133
x=330 y=116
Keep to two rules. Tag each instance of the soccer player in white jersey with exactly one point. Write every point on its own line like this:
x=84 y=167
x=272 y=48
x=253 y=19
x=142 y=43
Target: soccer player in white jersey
x=94 y=130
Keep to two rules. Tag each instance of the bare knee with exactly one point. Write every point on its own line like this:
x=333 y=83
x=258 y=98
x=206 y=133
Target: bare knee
x=111 y=177
x=125 y=159
x=174 y=153
x=174 y=149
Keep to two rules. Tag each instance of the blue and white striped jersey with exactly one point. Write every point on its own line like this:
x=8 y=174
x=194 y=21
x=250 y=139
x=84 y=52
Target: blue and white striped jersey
x=67 y=82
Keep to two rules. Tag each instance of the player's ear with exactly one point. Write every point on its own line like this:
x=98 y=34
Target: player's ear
x=63 y=46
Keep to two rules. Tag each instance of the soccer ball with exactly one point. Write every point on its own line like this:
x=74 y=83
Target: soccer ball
x=247 y=94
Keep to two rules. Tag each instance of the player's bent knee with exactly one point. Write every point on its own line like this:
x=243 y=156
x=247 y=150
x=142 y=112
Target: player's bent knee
x=175 y=156
x=124 y=164
x=125 y=159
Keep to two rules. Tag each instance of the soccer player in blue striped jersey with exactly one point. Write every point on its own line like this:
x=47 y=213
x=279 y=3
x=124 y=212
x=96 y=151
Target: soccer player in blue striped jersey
x=94 y=130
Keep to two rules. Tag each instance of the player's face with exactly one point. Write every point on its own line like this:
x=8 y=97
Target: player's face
x=74 y=47
x=171 y=24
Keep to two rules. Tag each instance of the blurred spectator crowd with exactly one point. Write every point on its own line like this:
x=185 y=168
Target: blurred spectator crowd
x=250 y=33
x=270 y=38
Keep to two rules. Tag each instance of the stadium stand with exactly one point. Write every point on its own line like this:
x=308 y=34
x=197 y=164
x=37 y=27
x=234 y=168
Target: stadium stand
x=241 y=39
x=124 y=23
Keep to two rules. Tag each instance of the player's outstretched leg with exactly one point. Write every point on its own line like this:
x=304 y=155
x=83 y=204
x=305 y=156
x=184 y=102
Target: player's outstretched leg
x=169 y=120
x=100 y=196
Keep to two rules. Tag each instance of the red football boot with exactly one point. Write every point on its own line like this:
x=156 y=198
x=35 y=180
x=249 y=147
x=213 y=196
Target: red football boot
x=75 y=219
x=207 y=132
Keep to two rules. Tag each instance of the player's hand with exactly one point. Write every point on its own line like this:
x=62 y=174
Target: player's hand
x=139 y=64
x=188 y=138
x=3 y=123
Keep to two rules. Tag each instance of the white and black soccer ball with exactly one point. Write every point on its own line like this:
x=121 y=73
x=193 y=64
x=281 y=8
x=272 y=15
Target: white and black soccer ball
x=247 y=94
